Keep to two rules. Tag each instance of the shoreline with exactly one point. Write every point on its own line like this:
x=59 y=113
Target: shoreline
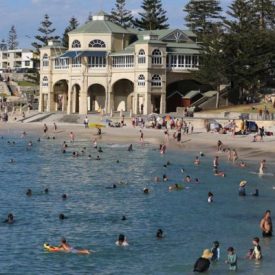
x=199 y=141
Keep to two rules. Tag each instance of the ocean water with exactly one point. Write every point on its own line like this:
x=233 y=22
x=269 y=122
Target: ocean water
x=94 y=213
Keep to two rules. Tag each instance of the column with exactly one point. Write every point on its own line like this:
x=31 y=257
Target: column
x=147 y=104
x=51 y=104
x=135 y=107
x=41 y=102
x=69 y=106
x=162 y=103
x=83 y=104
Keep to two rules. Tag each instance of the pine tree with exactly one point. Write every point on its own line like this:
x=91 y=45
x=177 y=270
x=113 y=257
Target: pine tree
x=73 y=24
x=212 y=61
x=249 y=49
x=120 y=15
x=12 y=39
x=202 y=15
x=3 y=45
x=265 y=13
x=46 y=31
x=153 y=16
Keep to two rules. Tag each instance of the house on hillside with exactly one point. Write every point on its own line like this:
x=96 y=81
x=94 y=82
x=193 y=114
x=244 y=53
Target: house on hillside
x=113 y=69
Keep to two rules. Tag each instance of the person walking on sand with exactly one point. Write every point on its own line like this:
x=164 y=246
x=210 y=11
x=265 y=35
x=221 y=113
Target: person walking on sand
x=266 y=224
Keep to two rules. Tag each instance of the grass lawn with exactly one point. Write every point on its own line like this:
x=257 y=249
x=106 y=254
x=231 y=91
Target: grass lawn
x=26 y=83
x=247 y=108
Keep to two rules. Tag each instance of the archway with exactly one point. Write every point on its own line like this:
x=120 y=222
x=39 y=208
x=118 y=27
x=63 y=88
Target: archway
x=176 y=90
x=96 y=98
x=75 y=98
x=60 y=90
x=123 y=95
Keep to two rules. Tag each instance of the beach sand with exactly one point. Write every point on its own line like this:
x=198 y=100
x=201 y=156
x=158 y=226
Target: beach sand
x=199 y=141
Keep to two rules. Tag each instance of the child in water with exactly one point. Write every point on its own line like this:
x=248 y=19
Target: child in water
x=216 y=251
x=231 y=259
x=257 y=252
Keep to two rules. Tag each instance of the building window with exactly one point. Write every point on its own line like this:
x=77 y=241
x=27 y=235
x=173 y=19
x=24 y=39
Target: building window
x=27 y=63
x=61 y=63
x=141 y=57
x=97 y=44
x=76 y=44
x=156 y=57
x=97 y=61
x=156 y=80
x=76 y=62
x=183 y=61
x=45 y=82
x=141 y=80
x=45 y=60
x=188 y=61
x=125 y=61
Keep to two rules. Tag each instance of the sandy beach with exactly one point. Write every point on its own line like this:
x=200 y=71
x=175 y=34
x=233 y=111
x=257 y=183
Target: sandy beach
x=199 y=141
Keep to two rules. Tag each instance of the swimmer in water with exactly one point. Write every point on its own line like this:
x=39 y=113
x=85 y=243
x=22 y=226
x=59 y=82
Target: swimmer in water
x=262 y=167
x=29 y=193
x=216 y=162
x=197 y=161
x=219 y=173
x=10 y=219
x=100 y=150
x=210 y=197
x=256 y=193
x=111 y=187
x=46 y=190
x=159 y=234
x=145 y=190
x=174 y=187
x=121 y=241
x=12 y=161
x=97 y=158
x=164 y=178
x=187 y=179
x=62 y=216
x=130 y=148
x=64 y=196
x=68 y=248
x=123 y=218
x=242 y=164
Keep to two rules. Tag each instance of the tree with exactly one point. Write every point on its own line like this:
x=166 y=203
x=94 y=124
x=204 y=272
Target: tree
x=153 y=16
x=265 y=13
x=12 y=39
x=46 y=31
x=120 y=15
x=212 y=61
x=249 y=49
x=3 y=45
x=203 y=15
x=73 y=24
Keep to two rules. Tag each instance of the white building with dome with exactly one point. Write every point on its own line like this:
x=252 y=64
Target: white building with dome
x=109 y=68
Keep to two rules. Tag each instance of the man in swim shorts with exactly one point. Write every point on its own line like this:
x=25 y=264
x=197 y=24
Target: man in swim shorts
x=266 y=224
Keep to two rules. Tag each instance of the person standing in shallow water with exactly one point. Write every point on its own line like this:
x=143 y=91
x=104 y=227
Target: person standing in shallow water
x=72 y=137
x=266 y=224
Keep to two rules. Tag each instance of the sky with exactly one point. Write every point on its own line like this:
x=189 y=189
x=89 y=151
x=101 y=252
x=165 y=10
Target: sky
x=26 y=15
